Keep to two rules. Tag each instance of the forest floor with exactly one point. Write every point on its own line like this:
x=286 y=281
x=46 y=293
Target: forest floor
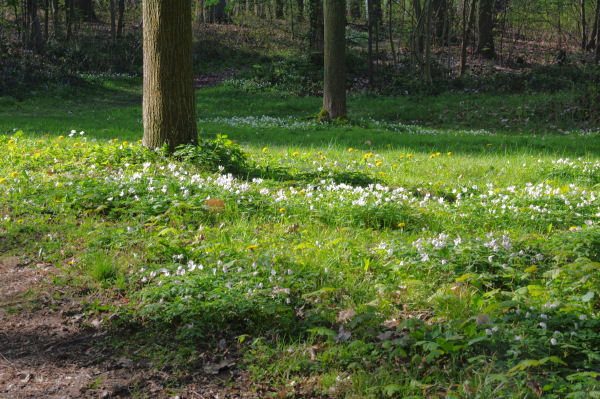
x=50 y=348
x=430 y=246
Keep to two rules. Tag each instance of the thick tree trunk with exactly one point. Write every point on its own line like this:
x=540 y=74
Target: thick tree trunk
x=169 y=110
x=486 y=29
x=334 y=80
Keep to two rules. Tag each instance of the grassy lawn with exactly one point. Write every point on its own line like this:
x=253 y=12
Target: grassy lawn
x=430 y=247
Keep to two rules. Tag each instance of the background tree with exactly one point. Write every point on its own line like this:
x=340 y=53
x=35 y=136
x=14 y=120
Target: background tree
x=334 y=81
x=169 y=104
x=486 y=29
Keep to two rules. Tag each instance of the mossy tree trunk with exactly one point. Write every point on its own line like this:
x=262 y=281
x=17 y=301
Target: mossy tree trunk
x=334 y=81
x=169 y=104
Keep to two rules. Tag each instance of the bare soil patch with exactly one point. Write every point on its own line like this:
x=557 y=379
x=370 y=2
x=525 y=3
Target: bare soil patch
x=50 y=349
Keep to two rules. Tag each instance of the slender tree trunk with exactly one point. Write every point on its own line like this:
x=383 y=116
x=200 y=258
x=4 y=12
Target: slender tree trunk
x=427 y=66
x=486 y=29
x=69 y=18
x=169 y=110
x=36 y=31
x=334 y=80
x=598 y=32
x=316 y=31
x=56 y=18
x=279 y=9
x=113 y=19
x=583 y=26
x=370 y=18
x=354 y=10
x=46 y=19
x=121 y=15
x=467 y=27
x=300 y=4
x=391 y=33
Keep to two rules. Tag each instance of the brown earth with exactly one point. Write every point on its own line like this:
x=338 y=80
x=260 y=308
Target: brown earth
x=49 y=348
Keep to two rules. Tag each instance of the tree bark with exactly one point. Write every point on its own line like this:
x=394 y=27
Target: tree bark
x=120 y=23
x=583 y=26
x=279 y=9
x=467 y=27
x=300 y=16
x=334 y=80
x=354 y=10
x=169 y=110
x=36 y=31
x=316 y=31
x=486 y=29
x=113 y=19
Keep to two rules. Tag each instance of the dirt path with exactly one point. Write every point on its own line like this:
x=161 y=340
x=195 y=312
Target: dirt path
x=49 y=349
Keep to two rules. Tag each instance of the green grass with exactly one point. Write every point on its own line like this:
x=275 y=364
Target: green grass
x=368 y=259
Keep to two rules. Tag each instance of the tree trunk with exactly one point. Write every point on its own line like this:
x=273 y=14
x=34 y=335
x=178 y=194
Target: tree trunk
x=113 y=19
x=120 y=23
x=583 y=26
x=486 y=29
x=300 y=17
x=69 y=18
x=169 y=110
x=354 y=10
x=316 y=31
x=334 y=80
x=598 y=32
x=86 y=10
x=427 y=65
x=56 y=18
x=36 y=40
x=370 y=18
x=467 y=28
x=46 y=19
x=279 y=9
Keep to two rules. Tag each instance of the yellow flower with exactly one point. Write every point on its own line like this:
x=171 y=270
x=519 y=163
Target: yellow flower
x=14 y=174
x=11 y=141
x=124 y=143
x=61 y=137
x=251 y=247
x=350 y=149
x=378 y=163
x=431 y=156
x=437 y=154
x=449 y=153
x=2 y=180
x=295 y=154
x=76 y=144
x=408 y=155
x=573 y=228
x=83 y=144
x=265 y=149
x=488 y=144
x=368 y=155
x=401 y=224
x=281 y=210
x=115 y=140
